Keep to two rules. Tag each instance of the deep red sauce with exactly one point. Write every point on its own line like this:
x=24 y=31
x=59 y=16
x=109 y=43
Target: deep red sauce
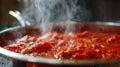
x=85 y=45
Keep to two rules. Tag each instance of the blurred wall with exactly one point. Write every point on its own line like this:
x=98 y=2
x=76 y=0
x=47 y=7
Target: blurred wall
x=105 y=10
x=102 y=10
x=5 y=7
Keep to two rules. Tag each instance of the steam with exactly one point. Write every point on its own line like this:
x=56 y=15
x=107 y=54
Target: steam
x=43 y=12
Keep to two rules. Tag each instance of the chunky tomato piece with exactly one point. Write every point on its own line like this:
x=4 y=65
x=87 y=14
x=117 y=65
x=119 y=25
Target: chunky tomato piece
x=15 y=48
x=43 y=46
x=80 y=56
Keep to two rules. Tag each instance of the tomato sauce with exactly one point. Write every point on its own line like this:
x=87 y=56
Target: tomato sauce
x=82 y=45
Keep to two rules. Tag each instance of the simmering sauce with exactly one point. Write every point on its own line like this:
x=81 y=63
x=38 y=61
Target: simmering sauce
x=73 y=45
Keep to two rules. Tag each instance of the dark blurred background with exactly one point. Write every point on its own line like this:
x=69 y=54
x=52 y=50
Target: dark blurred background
x=105 y=10
x=101 y=10
x=5 y=7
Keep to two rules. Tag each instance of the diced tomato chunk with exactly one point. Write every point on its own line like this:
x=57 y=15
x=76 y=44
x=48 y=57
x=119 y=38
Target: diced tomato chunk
x=37 y=47
x=66 y=55
x=79 y=56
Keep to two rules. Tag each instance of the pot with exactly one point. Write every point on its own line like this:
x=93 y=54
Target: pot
x=10 y=35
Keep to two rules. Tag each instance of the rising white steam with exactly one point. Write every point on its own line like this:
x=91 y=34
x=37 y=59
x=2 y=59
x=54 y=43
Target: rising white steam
x=43 y=12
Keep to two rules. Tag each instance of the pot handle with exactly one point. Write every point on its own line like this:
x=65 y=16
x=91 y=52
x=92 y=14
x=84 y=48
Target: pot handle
x=17 y=15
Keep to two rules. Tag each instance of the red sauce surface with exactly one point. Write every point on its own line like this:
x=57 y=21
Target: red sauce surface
x=84 y=45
